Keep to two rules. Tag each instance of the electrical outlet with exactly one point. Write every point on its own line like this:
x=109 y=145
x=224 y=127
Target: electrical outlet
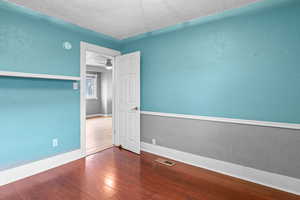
x=154 y=141
x=55 y=142
x=75 y=85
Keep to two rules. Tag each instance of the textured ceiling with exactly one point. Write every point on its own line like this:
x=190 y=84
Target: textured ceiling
x=93 y=58
x=126 y=18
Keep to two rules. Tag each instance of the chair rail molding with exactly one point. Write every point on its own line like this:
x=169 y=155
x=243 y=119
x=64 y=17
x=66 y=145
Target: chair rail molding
x=226 y=120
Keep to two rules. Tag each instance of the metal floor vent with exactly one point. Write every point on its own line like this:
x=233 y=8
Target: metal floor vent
x=165 y=162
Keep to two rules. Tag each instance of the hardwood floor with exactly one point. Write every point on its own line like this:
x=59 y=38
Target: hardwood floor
x=115 y=174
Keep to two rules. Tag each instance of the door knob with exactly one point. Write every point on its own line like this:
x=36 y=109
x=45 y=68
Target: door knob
x=135 y=108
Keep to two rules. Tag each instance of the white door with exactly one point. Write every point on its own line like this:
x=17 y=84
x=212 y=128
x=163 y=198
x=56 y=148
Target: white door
x=127 y=74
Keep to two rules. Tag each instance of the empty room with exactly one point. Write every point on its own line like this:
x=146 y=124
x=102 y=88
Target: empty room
x=150 y=100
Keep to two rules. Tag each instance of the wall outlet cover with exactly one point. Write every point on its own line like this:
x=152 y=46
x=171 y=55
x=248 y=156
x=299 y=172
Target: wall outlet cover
x=55 y=142
x=154 y=141
x=75 y=86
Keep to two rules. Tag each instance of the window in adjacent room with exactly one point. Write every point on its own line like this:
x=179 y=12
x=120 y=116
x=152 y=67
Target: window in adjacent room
x=91 y=86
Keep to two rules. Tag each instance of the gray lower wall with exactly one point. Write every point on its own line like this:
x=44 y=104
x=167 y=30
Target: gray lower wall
x=94 y=106
x=106 y=87
x=102 y=105
x=270 y=149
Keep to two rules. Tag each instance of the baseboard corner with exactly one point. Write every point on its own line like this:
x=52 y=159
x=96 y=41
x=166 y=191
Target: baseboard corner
x=30 y=169
x=276 y=181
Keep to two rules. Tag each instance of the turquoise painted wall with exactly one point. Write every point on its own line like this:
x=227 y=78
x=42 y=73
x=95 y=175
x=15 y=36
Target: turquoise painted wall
x=31 y=42
x=243 y=63
x=34 y=111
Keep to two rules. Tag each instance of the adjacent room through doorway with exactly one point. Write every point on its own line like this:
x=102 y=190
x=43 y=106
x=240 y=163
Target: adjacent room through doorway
x=98 y=102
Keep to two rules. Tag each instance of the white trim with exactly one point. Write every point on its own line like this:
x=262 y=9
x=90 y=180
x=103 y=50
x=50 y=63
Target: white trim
x=116 y=136
x=98 y=115
x=92 y=75
x=43 y=76
x=92 y=98
x=97 y=150
x=107 y=52
x=17 y=173
x=227 y=120
x=269 y=179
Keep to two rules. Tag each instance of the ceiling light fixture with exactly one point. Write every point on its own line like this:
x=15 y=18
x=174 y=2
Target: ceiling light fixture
x=108 y=63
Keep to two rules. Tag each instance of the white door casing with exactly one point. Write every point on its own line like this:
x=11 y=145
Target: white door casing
x=127 y=73
x=101 y=50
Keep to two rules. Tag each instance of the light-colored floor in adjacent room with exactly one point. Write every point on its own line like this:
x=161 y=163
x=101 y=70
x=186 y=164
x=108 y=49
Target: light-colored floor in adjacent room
x=98 y=134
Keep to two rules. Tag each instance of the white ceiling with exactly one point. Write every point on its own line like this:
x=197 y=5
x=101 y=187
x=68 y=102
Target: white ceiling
x=95 y=59
x=125 y=18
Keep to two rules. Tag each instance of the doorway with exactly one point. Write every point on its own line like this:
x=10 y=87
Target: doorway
x=123 y=124
x=97 y=98
x=98 y=102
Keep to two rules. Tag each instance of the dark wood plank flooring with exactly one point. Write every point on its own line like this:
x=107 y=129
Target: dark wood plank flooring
x=116 y=174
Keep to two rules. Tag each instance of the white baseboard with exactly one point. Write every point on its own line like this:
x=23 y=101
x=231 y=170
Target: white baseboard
x=17 y=173
x=99 y=115
x=269 y=179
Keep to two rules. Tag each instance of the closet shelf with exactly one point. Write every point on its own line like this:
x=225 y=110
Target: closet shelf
x=42 y=76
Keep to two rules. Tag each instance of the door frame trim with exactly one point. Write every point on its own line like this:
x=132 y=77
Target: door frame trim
x=84 y=46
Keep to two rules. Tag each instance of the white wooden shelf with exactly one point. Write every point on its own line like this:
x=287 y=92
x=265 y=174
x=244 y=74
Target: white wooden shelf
x=42 y=76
